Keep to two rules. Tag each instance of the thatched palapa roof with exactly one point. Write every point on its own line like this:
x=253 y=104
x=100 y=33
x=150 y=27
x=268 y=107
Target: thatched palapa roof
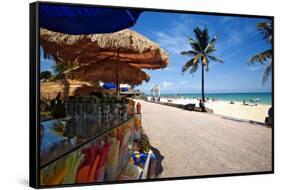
x=50 y=90
x=133 y=48
x=107 y=72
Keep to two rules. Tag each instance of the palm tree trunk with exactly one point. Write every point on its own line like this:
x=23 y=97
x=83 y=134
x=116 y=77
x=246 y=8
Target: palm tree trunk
x=202 y=85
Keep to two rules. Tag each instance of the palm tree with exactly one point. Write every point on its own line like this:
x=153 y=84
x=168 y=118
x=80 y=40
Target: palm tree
x=201 y=51
x=265 y=28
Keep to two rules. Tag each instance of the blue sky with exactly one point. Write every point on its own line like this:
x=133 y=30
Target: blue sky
x=238 y=40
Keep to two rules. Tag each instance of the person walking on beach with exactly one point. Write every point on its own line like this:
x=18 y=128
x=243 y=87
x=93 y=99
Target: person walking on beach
x=202 y=105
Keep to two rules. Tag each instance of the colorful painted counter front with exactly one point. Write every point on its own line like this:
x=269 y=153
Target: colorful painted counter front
x=83 y=159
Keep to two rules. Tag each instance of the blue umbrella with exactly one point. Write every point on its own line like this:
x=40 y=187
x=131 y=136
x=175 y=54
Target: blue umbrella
x=109 y=85
x=124 y=89
x=75 y=19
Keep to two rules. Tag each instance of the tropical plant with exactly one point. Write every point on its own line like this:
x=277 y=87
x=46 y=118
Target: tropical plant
x=201 y=51
x=264 y=57
x=45 y=75
x=59 y=69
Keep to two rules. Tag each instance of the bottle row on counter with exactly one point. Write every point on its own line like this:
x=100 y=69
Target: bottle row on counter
x=85 y=119
x=99 y=109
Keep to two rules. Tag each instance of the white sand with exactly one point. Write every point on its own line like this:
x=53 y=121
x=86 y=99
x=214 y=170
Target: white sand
x=236 y=110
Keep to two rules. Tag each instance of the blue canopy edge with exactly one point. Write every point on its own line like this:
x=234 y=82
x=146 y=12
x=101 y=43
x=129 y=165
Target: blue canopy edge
x=70 y=19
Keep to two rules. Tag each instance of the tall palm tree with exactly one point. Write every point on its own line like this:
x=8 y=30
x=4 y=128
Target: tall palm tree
x=201 y=51
x=265 y=57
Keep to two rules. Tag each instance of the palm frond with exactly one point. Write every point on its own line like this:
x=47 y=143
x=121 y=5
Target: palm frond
x=214 y=58
x=205 y=38
x=213 y=40
x=267 y=72
x=265 y=28
x=198 y=37
x=189 y=53
x=205 y=62
x=193 y=69
x=197 y=58
x=187 y=65
x=194 y=45
x=211 y=45
x=261 y=57
x=210 y=50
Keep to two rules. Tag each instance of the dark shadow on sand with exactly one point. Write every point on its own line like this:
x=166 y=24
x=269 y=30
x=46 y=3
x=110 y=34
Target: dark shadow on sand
x=257 y=123
x=159 y=159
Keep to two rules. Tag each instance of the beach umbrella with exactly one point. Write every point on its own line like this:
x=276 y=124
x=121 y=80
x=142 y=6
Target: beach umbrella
x=109 y=85
x=124 y=89
x=74 y=19
x=50 y=89
x=106 y=72
x=125 y=46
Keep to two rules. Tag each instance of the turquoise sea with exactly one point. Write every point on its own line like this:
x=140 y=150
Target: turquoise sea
x=264 y=98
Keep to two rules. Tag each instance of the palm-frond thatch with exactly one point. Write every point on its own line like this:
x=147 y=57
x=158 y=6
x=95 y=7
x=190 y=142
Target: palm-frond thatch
x=66 y=88
x=107 y=73
x=125 y=46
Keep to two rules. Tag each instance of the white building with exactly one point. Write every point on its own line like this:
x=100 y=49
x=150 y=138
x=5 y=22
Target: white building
x=155 y=90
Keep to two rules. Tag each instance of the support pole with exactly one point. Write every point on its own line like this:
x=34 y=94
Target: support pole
x=117 y=75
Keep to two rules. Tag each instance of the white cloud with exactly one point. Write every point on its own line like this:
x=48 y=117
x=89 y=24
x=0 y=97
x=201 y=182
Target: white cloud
x=183 y=82
x=234 y=38
x=255 y=67
x=172 y=43
x=240 y=50
x=167 y=85
x=170 y=69
x=175 y=39
x=234 y=53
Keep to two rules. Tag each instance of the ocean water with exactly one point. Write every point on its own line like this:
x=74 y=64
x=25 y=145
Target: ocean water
x=265 y=98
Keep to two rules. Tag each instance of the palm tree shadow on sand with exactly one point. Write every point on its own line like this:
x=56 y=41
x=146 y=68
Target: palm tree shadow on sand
x=159 y=158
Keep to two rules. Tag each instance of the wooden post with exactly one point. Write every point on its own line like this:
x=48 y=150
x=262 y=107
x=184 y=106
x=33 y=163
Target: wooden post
x=117 y=75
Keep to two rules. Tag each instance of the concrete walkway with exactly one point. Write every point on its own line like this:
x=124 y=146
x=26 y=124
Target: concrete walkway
x=193 y=143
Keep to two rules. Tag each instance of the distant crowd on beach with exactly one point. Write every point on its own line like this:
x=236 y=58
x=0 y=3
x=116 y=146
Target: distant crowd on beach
x=246 y=109
x=213 y=99
x=177 y=97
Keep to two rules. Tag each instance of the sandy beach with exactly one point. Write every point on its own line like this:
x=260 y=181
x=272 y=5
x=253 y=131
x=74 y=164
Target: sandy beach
x=190 y=143
x=237 y=110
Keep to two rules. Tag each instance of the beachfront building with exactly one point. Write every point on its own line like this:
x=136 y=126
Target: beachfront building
x=155 y=91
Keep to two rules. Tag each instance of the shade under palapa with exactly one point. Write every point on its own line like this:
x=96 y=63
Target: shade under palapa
x=107 y=73
x=132 y=47
x=50 y=90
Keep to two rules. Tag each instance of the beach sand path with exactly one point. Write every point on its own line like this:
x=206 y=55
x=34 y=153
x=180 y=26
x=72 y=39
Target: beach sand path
x=194 y=143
